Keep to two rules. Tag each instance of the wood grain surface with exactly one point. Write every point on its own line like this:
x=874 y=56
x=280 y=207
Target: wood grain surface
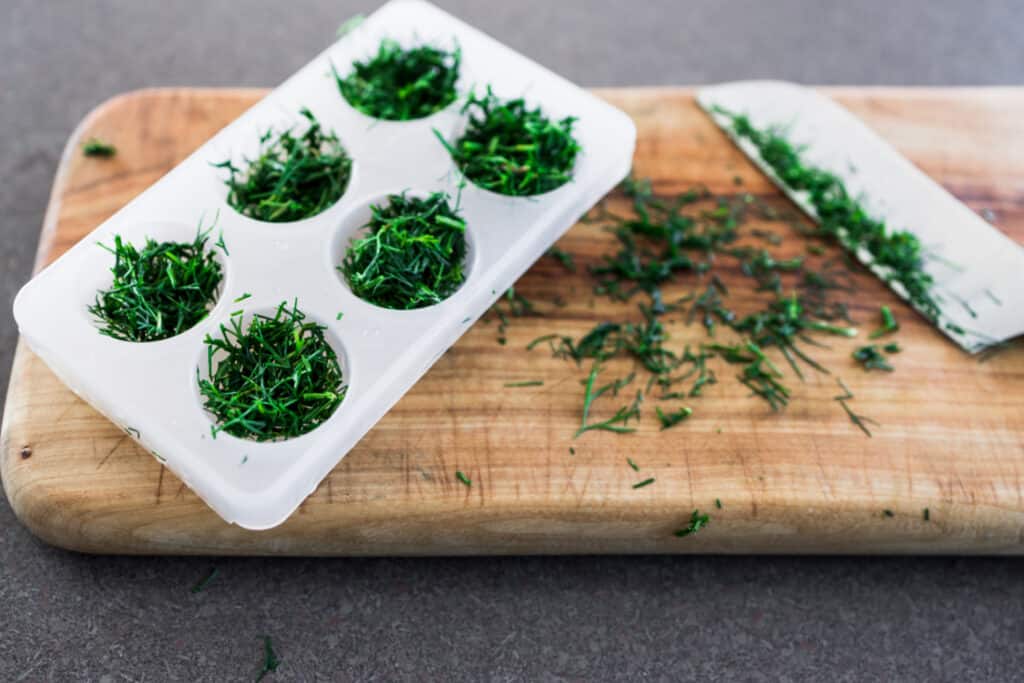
x=950 y=435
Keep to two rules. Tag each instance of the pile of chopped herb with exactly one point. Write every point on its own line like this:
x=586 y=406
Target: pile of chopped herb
x=276 y=379
x=511 y=149
x=691 y=236
x=400 y=84
x=897 y=254
x=293 y=177
x=159 y=291
x=412 y=254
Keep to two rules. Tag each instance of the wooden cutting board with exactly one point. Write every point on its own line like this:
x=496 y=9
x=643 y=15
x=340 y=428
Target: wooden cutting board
x=950 y=435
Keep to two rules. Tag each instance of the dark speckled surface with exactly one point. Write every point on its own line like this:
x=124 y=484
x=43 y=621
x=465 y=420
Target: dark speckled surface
x=69 y=617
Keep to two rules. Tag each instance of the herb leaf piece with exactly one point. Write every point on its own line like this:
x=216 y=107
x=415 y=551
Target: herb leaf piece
x=270 y=659
x=669 y=420
x=697 y=522
x=94 y=147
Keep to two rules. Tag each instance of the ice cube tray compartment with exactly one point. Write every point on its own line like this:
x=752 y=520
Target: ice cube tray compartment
x=151 y=388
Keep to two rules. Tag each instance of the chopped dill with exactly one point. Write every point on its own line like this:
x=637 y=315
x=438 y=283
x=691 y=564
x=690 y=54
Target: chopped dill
x=511 y=303
x=617 y=423
x=898 y=254
x=718 y=503
x=888 y=513
x=202 y=583
x=349 y=25
x=270 y=659
x=636 y=468
x=892 y=347
x=276 y=379
x=528 y=383
x=94 y=147
x=461 y=477
x=220 y=243
x=512 y=149
x=697 y=522
x=563 y=257
x=412 y=254
x=859 y=420
x=242 y=298
x=341 y=314
x=400 y=84
x=669 y=420
x=159 y=291
x=889 y=324
x=645 y=482
x=871 y=358
x=293 y=177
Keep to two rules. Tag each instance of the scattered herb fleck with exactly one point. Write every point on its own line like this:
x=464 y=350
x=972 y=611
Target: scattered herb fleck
x=697 y=522
x=270 y=659
x=461 y=476
x=243 y=297
x=926 y=513
x=202 y=583
x=349 y=25
x=672 y=419
x=636 y=468
x=889 y=324
x=529 y=383
x=718 y=503
x=616 y=423
x=871 y=358
x=563 y=257
x=888 y=513
x=645 y=482
x=94 y=147
x=859 y=420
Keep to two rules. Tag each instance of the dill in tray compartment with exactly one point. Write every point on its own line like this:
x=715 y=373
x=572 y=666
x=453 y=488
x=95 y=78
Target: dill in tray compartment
x=512 y=149
x=275 y=379
x=398 y=84
x=294 y=177
x=411 y=254
x=159 y=291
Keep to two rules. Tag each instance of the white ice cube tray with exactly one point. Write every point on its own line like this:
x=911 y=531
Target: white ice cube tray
x=150 y=389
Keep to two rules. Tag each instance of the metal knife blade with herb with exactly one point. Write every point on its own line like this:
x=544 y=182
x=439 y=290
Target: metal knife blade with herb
x=958 y=271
